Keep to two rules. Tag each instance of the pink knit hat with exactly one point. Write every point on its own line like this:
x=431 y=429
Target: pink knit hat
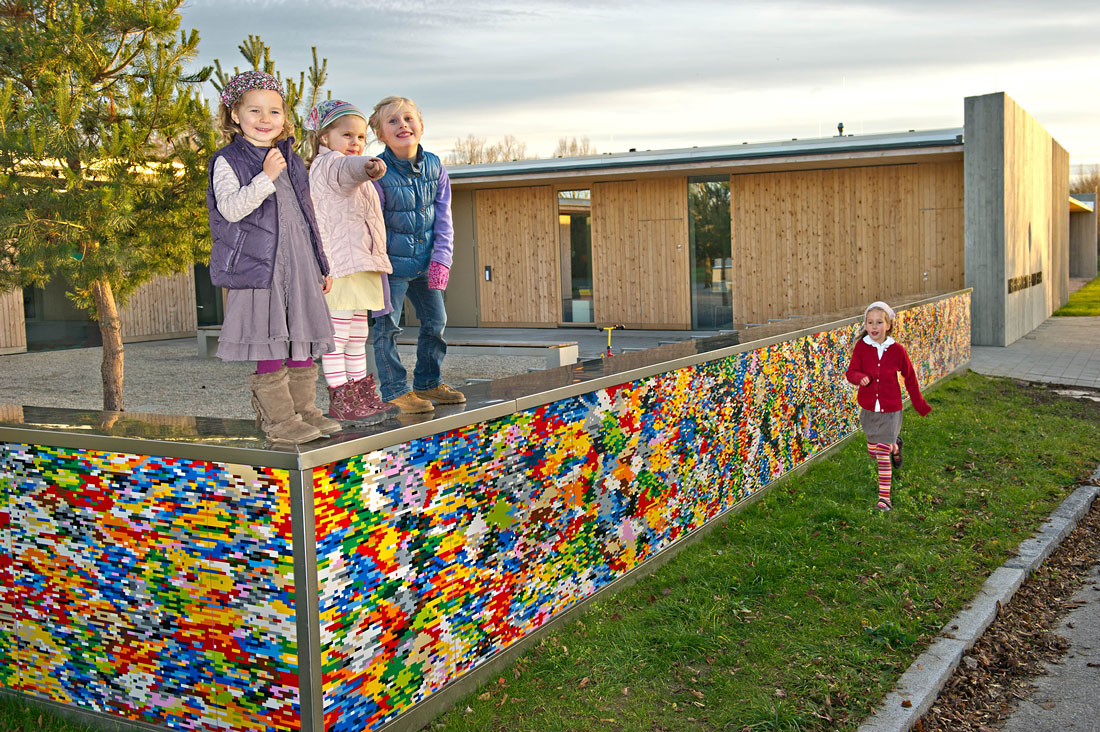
x=879 y=305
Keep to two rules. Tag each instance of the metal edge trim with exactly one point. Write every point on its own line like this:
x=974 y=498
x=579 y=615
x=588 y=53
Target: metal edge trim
x=437 y=425
x=99 y=720
x=137 y=446
x=306 y=605
x=534 y=401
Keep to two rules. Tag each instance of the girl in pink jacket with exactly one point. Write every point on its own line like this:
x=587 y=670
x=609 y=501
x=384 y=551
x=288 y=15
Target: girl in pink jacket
x=877 y=360
x=349 y=217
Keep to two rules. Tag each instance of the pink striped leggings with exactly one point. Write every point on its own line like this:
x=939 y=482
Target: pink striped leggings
x=880 y=451
x=348 y=362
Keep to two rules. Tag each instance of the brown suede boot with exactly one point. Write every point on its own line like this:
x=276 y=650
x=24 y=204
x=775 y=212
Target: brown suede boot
x=275 y=409
x=303 y=392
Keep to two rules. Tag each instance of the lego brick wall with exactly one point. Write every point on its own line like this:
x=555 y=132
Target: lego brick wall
x=155 y=589
x=437 y=554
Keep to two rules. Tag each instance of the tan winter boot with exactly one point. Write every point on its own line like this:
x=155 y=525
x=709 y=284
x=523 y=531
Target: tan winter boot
x=303 y=392
x=275 y=409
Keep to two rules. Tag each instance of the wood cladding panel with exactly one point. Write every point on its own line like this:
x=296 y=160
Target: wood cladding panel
x=517 y=236
x=162 y=307
x=822 y=240
x=13 y=330
x=640 y=256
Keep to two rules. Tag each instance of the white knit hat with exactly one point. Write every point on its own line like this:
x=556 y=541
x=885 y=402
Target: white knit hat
x=880 y=305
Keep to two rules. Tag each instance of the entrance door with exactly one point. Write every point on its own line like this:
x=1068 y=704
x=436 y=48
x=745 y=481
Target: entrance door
x=641 y=255
x=517 y=248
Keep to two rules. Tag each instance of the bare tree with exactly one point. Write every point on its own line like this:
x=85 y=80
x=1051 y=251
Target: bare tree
x=573 y=148
x=1087 y=181
x=472 y=150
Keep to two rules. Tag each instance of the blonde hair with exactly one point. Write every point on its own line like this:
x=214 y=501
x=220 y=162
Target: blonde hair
x=384 y=106
x=230 y=129
x=885 y=315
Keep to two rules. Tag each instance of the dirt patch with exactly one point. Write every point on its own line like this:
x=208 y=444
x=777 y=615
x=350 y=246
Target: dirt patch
x=996 y=673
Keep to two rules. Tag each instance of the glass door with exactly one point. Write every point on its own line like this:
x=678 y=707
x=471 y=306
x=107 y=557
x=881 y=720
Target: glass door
x=711 y=254
x=575 y=240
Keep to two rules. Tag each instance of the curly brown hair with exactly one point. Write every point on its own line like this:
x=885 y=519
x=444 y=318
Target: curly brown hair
x=230 y=129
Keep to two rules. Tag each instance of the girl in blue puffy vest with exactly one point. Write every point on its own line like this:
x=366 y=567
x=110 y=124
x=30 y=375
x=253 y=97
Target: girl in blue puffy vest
x=267 y=251
x=415 y=194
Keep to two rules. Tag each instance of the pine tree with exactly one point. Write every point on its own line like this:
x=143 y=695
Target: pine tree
x=103 y=146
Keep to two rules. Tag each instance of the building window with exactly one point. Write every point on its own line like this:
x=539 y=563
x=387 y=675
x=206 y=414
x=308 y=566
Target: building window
x=575 y=240
x=711 y=254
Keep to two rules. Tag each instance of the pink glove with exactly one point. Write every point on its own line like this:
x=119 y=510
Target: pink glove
x=438 y=274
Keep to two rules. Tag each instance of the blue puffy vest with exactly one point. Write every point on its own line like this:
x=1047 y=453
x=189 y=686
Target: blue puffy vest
x=409 y=210
x=242 y=256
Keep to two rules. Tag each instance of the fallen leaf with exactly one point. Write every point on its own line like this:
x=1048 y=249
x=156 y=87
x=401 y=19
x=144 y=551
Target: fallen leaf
x=584 y=682
x=907 y=703
x=483 y=697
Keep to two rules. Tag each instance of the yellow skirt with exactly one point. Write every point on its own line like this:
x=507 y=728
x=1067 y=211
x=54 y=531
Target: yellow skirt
x=357 y=291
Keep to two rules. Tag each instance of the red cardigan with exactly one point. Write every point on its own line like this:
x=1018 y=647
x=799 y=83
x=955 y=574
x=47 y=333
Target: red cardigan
x=884 y=378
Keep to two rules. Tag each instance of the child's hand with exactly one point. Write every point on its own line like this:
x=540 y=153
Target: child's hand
x=326 y=284
x=274 y=164
x=376 y=168
x=865 y=381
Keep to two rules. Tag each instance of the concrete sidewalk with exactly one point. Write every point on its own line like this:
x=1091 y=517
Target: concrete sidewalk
x=1066 y=352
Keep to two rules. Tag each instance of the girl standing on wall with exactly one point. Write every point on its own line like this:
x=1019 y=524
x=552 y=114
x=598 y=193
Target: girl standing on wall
x=350 y=219
x=267 y=252
x=877 y=359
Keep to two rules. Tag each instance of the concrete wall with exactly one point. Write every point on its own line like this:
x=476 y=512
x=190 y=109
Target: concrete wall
x=1017 y=219
x=1082 y=239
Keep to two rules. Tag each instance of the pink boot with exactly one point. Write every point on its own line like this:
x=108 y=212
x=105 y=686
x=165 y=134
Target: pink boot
x=369 y=391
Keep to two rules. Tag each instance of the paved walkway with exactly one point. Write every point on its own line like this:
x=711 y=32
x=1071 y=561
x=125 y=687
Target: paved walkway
x=1060 y=351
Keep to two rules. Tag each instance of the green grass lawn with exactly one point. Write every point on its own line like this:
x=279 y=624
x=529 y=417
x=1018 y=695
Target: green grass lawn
x=1085 y=301
x=801 y=612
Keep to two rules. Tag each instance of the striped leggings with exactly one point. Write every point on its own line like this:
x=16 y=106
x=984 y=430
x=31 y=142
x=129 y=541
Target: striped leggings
x=348 y=361
x=881 y=453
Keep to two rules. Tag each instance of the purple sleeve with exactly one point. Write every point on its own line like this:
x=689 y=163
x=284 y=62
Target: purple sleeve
x=387 y=307
x=381 y=193
x=443 y=241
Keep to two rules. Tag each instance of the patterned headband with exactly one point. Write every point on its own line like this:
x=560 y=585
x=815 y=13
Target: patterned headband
x=247 y=81
x=879 y=304
x=327 y=112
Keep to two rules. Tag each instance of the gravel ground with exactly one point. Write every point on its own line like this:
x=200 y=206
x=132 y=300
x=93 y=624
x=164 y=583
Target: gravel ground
x=168 y=377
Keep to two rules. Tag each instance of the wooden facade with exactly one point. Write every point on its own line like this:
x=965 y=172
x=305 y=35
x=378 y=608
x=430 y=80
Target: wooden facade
x=640 y=253
x=517 y=240
x=163 y=308
x=822 y=240
x=13 y=331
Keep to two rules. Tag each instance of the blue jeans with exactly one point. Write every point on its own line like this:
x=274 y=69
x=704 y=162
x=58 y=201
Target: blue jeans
x=430 y=346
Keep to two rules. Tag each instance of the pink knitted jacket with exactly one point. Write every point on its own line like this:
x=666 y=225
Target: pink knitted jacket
x=348 y=214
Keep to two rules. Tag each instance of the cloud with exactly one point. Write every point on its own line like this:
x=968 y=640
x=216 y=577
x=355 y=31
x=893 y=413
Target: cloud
x=534 y=69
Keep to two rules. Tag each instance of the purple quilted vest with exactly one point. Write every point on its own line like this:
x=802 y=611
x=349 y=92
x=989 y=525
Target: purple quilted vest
x=242 y=256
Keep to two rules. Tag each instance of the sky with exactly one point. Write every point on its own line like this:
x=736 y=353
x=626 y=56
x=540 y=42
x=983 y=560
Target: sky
x=659 y=75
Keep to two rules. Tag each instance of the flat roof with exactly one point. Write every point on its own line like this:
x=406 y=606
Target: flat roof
x=1076 y=204
x=830 y=146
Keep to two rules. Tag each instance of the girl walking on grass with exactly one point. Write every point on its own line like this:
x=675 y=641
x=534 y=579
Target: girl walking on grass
x=350 y=219
x=267 y=252
x=877 y=360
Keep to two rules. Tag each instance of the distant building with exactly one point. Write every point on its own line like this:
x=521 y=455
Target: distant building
x=717 y=237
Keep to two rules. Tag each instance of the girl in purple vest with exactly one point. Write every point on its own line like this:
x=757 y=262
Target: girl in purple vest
x=267 y=252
